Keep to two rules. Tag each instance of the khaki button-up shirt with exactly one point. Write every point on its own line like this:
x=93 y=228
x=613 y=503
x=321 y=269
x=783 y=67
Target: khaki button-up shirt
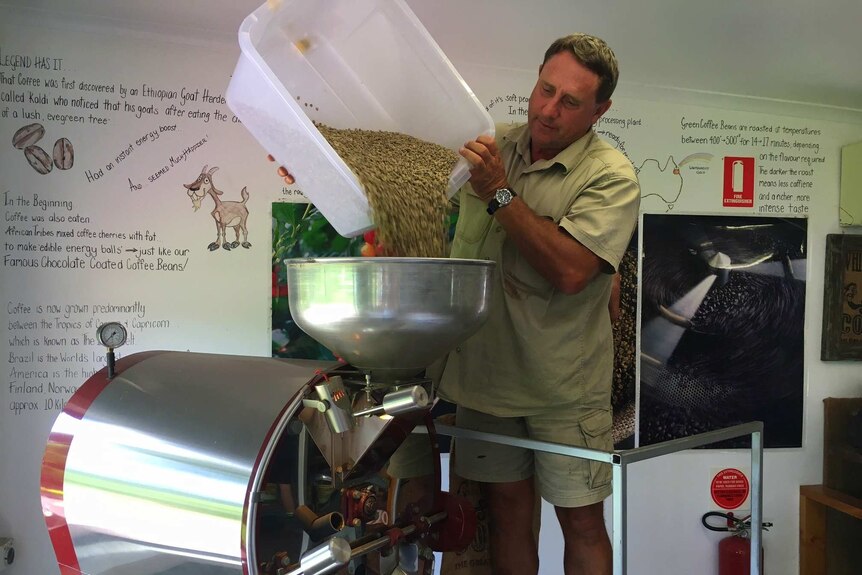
x=541 y=348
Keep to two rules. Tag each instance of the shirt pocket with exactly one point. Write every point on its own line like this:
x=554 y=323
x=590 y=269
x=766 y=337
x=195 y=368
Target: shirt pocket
x=596 y=429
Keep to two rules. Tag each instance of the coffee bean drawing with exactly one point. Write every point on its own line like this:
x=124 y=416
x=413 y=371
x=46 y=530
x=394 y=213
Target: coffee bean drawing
x=28 y=135
x=64 y=154
x=39 y=159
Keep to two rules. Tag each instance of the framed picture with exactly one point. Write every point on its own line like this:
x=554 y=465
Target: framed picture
x=722 y=326
x=842 y=301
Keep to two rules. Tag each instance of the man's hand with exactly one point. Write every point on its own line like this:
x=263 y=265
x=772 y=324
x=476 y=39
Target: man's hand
x=487 y=172
x=282 y=171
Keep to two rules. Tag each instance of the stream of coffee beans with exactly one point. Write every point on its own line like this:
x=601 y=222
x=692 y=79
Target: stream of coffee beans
x=406 y=181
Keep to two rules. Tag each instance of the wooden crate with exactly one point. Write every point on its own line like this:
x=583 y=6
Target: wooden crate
x=830 y=528
x=830 y=515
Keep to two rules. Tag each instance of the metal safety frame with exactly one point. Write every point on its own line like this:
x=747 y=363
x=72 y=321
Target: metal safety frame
x=620 y=460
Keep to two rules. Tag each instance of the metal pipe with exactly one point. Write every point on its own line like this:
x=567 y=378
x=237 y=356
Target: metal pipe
x=324 y=558
x=756 y=500
x=683 y=443
x=582 y=452
x=397 y=402
x=382 y=542
x=319 y=526
x=618 y=535
x=405 y=400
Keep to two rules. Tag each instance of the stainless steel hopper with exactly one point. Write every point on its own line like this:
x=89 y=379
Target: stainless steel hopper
x=389 y=317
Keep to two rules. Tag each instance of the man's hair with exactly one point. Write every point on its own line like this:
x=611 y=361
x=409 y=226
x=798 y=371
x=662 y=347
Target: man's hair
x=593 y=53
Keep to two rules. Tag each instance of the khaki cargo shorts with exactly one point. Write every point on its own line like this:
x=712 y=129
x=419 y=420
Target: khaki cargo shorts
x=562 y=481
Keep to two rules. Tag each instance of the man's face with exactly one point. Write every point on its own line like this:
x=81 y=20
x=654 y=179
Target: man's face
x=562 y=106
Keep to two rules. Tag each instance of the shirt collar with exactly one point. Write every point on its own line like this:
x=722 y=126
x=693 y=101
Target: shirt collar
x=568 y=158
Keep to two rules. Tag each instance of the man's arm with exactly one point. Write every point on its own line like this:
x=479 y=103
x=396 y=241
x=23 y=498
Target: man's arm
x=551 y=251
x=566 y=263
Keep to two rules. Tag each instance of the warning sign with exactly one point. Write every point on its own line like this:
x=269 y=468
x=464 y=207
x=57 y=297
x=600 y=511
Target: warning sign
x=738 y=182
x=729 y=488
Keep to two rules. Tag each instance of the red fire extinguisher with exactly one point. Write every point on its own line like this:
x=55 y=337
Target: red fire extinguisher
x=734 y=552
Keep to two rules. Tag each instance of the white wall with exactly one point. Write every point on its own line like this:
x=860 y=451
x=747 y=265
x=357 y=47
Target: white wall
x=219 y=301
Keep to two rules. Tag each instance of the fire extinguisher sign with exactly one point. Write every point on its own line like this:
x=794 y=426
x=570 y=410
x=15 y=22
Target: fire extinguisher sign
x=729 y=488
x=738 y=182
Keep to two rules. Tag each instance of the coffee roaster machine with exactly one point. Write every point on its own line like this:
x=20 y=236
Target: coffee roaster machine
x=178 y=463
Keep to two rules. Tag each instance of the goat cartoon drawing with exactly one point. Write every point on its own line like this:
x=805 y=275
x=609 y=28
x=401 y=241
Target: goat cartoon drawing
x=226 y=214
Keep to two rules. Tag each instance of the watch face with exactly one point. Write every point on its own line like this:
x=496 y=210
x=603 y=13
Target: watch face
x=502 y=197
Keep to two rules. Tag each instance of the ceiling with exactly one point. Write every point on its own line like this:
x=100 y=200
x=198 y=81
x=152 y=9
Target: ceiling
x=787 y=50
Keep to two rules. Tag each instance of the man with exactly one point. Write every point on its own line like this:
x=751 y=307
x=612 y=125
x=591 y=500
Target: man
x=555 y=207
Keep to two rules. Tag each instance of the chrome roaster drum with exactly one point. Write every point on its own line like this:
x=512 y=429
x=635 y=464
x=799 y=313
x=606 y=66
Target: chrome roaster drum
x=162 y=468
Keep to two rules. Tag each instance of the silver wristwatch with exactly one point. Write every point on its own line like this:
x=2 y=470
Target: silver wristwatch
x=502 y=197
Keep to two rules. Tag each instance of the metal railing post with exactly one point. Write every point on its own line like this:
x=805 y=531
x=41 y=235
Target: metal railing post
x=756 y=501
x=619 y=517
